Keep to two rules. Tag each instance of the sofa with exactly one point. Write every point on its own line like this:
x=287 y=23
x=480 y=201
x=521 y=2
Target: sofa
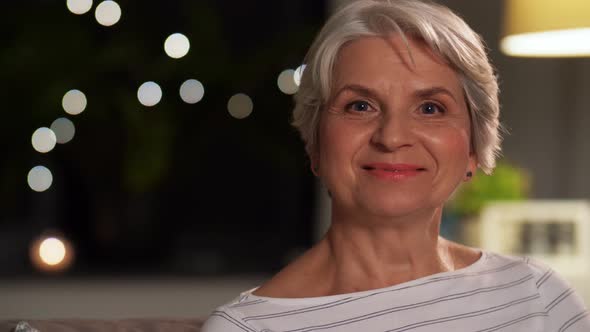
x=87 y=325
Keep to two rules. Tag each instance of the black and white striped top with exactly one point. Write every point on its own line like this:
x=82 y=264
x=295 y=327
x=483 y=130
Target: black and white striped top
x=496 y=293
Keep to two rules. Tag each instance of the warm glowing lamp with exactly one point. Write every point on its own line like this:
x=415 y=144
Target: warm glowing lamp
x=546 y=28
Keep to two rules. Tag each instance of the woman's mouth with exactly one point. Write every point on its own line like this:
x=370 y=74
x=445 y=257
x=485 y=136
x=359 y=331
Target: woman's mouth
x=393 y=172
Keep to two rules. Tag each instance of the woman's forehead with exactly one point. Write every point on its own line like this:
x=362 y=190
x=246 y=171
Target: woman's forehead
x=379 y=60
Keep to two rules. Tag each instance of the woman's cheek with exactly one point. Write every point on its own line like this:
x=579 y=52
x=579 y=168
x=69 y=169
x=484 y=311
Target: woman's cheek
x=340 y=142
x=448 y=136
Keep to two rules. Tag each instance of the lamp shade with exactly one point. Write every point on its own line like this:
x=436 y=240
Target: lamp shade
x=546 y=28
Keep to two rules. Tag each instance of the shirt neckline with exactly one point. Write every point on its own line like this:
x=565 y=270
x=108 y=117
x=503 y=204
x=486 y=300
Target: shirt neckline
x=304 y=300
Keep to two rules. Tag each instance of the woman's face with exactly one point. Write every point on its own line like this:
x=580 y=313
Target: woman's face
x=387 y=109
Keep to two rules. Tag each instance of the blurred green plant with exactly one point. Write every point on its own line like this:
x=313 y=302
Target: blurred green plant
x=507 y=182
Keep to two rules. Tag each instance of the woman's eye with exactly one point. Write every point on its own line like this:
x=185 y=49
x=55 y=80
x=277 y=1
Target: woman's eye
x=358 y=106
x=431 y=108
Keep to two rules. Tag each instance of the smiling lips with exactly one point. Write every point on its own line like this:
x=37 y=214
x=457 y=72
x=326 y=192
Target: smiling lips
x=395 y=172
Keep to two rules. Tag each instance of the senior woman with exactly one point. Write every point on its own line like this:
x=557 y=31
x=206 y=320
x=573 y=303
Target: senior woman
x=398 y=106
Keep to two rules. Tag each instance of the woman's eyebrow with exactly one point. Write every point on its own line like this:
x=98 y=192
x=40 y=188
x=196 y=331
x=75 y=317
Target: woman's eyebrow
x=360 y=89
x=429 y=92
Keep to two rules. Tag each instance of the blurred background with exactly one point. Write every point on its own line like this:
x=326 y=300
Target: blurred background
x=152 y=170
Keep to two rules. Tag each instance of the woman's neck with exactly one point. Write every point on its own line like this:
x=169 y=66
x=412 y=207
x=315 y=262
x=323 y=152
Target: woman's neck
x=371 y=255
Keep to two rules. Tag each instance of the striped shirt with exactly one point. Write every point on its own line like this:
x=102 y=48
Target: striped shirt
x=496 y=293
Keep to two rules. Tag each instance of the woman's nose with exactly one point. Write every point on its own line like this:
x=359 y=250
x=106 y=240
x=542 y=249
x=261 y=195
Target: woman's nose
x=392 y=133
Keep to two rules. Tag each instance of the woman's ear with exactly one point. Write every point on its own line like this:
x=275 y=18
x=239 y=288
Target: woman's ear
x=314 y=163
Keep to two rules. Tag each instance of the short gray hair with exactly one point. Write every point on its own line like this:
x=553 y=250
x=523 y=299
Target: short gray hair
x=441 y=29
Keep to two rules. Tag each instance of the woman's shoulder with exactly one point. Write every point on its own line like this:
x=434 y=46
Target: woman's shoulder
x=465 y=256
x=546 y=279
x=534 y=266
x=225 y=319
x=232 y=316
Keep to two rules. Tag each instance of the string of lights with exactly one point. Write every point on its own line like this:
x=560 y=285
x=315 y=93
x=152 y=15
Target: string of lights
x=52 y=251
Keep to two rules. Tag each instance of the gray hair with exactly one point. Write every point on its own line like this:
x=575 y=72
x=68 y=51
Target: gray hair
x=441 y=29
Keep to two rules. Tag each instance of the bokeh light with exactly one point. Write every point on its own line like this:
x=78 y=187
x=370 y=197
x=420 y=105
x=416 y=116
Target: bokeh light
x=79 y=7
x=74 y=102
x=298 y=73
x=149 y=93
x=43 y=140
x=107 y=13
x=176 y=45
x=191 y=91
x=51 y=253
x=64 y=130
x=240 y=106
x=39 y=178
x=286 y=82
